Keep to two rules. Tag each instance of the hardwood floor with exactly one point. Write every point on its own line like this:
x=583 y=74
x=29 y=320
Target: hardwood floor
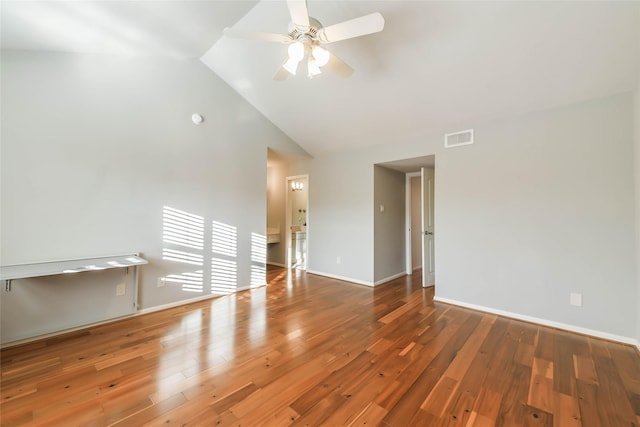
x=308 y=350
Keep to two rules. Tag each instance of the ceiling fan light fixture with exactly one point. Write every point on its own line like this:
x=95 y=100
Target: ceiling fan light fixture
x=306 y=35
x=313 y=68
x=296 y=51
x=291 y=65
x=321 y=55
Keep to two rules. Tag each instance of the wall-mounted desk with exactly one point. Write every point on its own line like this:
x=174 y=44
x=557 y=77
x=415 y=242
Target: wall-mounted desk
x=55 y=296
x=8 y=273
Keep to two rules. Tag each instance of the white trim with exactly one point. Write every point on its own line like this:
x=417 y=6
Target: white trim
x=407 y=221
x=346 y=279
x=117 y=319
x=390 y=278
x=543 y=322
x=175 y=304
x=423 y=228
x=357 y=281
x=246 y=288
x=21 y=341
x=277 y=264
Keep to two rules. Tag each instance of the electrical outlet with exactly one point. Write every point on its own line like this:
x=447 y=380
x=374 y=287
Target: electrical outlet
x=338 y=260
x=121 y=289
x=161 y=282
x=575 y=299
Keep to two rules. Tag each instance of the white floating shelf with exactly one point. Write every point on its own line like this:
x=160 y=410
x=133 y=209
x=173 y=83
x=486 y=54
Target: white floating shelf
x=23 y=271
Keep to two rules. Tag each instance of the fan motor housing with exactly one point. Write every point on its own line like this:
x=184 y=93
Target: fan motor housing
x=314 y=27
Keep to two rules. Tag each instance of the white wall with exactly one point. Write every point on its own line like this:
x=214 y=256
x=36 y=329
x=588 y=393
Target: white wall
x=94 y=147
x=389 y=225
x=542 y=205
x=340 y=215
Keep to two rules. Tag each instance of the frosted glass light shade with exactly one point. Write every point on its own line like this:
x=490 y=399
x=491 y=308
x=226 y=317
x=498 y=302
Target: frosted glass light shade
x=321 y=55
x=296 y=51
x=291 y=65
x=313 y=68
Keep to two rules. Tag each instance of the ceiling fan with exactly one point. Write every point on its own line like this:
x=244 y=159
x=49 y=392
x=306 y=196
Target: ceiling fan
x=305 y=38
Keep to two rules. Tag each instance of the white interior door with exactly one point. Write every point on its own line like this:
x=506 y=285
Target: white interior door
x=428 y=229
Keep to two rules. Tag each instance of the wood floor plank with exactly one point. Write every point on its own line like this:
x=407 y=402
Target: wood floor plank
x=412 y=372
x=318 y=413
x=309 y=351
x=613 y=394
x=281 y=392
x=566 y=346
x=500 y=362
x=584 y=368
x=440 y=397
x=333 y=382
x=151 y=412
x=474 y=379
x=566 y=411
x=514 y=402
x=410 y=403
x=541 y=393
x=537 y=417
x=486 y=408
x=370 y=416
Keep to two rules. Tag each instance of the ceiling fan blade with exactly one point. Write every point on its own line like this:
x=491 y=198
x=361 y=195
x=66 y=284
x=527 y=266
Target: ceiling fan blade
x=299 y=14
x=266 y=37
x=339 y=67
x=357 y=27
x=282 y=72
x=281 y=75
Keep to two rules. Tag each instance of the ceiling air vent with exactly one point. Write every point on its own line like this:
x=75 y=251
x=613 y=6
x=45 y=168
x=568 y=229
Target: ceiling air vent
x=457 y=139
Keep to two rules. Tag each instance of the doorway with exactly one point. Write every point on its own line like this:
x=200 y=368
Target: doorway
x=297 y=226
x=420 y=250
x=419 y=215
x=420 y=225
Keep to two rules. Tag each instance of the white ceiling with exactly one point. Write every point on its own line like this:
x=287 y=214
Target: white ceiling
x=435 y=66
x=181 y=29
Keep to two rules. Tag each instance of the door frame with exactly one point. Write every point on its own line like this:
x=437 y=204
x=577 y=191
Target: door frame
x=428 y=255
x=408 y=249
x=287 y=217
x=423 y=206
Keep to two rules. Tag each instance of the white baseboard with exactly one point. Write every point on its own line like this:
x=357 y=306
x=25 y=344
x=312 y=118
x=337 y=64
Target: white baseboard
x=388 y=279
x=343 y=278
x=116 y=319
x=277 y=264
x=357 y=281
x=27 y=340
x=543 y=322
x=173 y=304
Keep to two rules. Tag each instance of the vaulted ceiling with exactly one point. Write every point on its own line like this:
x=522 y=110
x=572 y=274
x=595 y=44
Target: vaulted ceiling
x=435 y=66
